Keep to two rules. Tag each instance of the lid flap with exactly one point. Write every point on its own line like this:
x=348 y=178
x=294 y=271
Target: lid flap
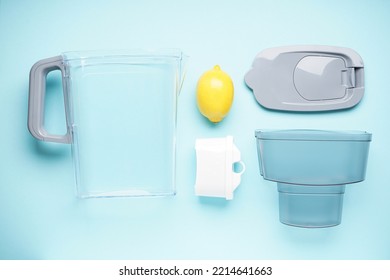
x=321 y=78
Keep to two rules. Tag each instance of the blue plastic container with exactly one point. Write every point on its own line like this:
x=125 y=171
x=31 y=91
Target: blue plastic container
x=312 y=168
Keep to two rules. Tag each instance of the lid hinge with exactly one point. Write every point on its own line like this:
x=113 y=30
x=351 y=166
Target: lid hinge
x=348 y=77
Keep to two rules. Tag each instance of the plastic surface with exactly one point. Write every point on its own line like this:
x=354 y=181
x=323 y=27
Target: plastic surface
x=318 y=206
x=307 y=78
x=296 y=158
x=137 y=137
x=215 y=174
x=313 y=135
x=311 y=168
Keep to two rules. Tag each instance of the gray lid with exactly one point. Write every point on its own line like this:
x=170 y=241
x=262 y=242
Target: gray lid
x=313 y=135
x=307 y=78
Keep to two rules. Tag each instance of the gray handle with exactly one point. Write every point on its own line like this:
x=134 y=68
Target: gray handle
x=36 y=102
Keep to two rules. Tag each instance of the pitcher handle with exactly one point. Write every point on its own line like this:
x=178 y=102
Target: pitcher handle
x=36 y=102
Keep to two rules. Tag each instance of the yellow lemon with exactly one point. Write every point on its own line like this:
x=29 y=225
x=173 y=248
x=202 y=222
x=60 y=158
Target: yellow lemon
x=214 y=94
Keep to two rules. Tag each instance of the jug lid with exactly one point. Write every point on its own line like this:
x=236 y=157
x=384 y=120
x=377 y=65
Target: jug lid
x=307 y=78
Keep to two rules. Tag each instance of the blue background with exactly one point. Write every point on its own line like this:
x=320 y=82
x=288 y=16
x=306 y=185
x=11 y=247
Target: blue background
x=40 y=217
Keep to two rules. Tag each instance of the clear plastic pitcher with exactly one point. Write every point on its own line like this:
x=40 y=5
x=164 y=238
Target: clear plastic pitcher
x=121 y=118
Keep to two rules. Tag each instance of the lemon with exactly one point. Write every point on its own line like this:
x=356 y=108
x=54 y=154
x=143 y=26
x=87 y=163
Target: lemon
x=214 y=94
